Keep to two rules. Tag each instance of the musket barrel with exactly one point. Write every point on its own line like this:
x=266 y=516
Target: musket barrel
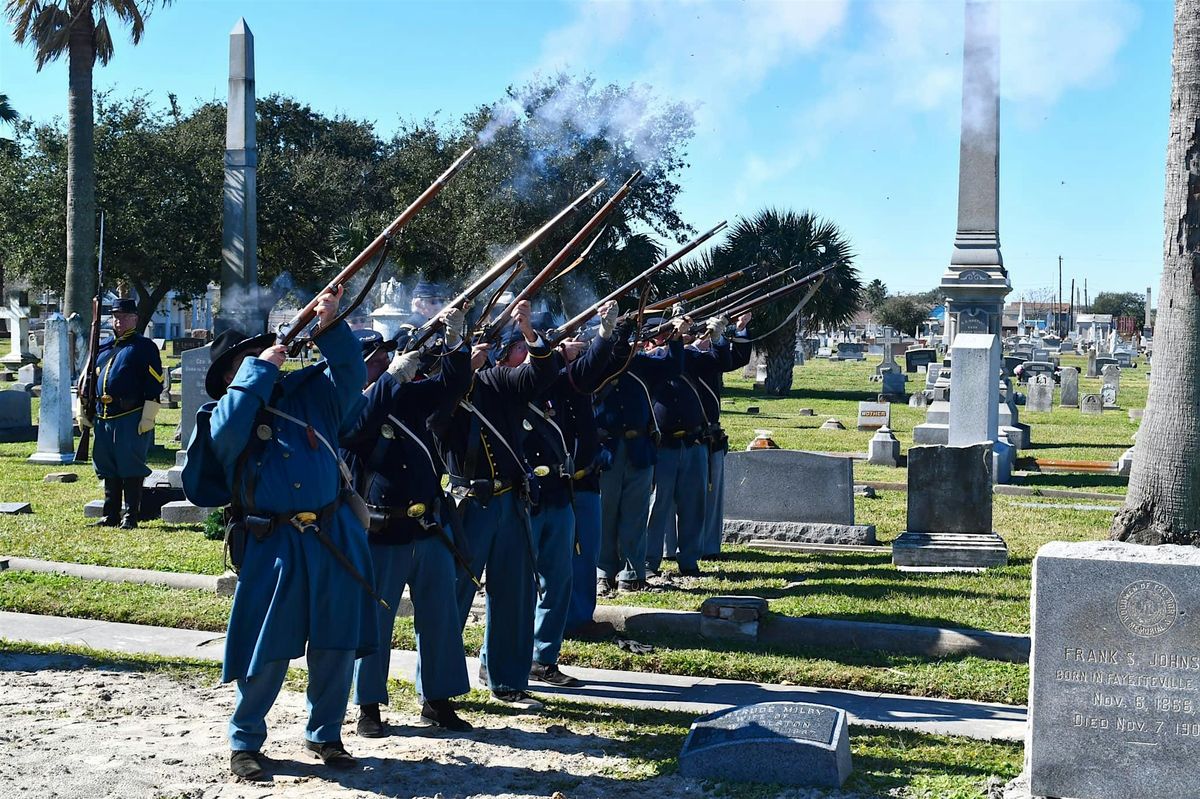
x=308 y=312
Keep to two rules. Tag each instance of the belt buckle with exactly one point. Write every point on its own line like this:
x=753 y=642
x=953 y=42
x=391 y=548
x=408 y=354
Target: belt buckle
x=304 y=521
x=631 y=434
x=497 y=485
x=579 y=475
x=416 y=510
x=679 y=434
x=541 y=471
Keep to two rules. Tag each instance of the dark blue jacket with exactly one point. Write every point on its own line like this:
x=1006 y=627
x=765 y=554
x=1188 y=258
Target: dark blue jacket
x=128 y=372
x=390 y=468
x=501 y=394
x=624 y=405
x=677 y=401
x=569 y=423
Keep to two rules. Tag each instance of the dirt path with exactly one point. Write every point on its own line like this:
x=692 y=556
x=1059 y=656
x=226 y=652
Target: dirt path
x=74 y=730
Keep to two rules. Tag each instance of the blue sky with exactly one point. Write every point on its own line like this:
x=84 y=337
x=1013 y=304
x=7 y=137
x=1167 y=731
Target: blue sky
x=850 y=109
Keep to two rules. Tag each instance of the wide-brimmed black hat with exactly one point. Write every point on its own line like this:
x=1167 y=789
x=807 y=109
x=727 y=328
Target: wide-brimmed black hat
x=225 y=348
x=124 y=305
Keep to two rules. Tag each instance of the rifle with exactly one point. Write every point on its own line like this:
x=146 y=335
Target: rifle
x=377 y=247
x=468 y=294
x=491 y=328
x=568 y=327
x=87 y=380
x=703 y=290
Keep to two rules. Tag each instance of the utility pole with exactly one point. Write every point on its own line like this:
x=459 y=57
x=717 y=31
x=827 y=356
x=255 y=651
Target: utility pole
x=1086 y=304
x=1058 y=308
x=1071 y=310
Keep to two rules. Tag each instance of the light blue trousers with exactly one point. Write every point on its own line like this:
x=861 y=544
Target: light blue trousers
x=680 y=482
x=427 y=568
x=625 y=503
x=554 y=532
x=587 y=534
x=498 y=538
x=329 y=674
x=714 y=507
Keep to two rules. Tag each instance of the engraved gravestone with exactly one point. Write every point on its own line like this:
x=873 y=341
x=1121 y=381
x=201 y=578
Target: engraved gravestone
x=851 y=351
x=194 y=366
x=874 y=415
x=1069 y=376
x=918 y=357
x=1115 y=671
x=789 y=743
x=1041 y=394
x=1091 y=403
x=1110 y=383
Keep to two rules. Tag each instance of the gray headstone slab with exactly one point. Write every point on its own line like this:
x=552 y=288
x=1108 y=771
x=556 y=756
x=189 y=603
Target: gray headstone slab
x=789 y=743
x=918 y=357
x=55 y=442
x=15 y=507
x=975 y=389
x=1069 y=378
x=1115 y=671
x=949 y=489
x=783 y=485
x=194 y=368
x=16 y=409
x=1091 y=403
x=1041 y=394
x=874 y=415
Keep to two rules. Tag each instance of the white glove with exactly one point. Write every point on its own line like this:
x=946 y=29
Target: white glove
x=149 y=411
x=608 y=322
x=716 y=327
x=453 y=320
x=404 y=366
x=677 y=309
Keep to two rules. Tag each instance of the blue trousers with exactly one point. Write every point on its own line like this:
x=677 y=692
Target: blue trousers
x=583 y=563
x=624 y=503
x=329 y=675
x=680 y=479
x=118 y=450
x=498 y=537
x=427 y=568
x=714 y=507
x=554 y=532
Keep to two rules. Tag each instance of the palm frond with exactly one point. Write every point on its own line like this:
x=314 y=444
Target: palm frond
x=102 y=42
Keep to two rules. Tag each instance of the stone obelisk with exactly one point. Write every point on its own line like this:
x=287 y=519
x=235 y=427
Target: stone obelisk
x=239 y=242
x=976 y=282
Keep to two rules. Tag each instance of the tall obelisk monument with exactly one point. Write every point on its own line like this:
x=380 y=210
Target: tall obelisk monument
x=976 y=282
x=239 y=243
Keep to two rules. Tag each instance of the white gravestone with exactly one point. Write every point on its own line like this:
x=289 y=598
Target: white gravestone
x=1041 y=394
x=55 y=443
x=874 y=415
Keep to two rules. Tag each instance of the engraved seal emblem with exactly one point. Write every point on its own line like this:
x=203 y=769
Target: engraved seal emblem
x=1147 y=608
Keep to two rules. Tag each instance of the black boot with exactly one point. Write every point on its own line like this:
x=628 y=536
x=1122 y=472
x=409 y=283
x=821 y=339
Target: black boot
x=370 y=723
x=440 y=712
x=111 y=515
x=132 y=488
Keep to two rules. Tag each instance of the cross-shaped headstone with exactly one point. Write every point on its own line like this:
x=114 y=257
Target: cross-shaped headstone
x=888 y=364
x=18 y=329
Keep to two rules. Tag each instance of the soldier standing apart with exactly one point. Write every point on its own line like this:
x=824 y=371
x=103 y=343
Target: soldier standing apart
x=681 y=473
x=627 y=430
x=129 y=382
x=490 y=480
x=398 y=472
x=303 y=586
x=551 y=449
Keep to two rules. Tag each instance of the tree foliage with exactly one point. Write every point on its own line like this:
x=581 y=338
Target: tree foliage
x=874 y=294
x=905 y=313
x=1126 y=303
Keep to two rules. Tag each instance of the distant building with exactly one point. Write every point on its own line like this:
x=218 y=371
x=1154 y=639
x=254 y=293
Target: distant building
x=1093 y=326
x=1046 y=317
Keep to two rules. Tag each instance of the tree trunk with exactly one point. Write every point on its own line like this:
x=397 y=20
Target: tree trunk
x=81 y=172
x=1163 y=502
x=780 y=350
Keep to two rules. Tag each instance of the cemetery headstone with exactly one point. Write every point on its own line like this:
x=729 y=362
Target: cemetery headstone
x=892 y=384
x=1031 y=368
x=1011 y=362
x=1102 y=362
x=182 y=345
x=1069 y=378
x=1091 y=403
x=1124 y=359
x=1091 y=367
x=1113 y=670
x=790 y=495
x=974 y=415
x=789 y=743
x=55 y=440
x=194 y=363
x=17 y=315
x=760 y=375
x=874 y=415
x=1110 y=377
x=949 y=521
x=16 y=417
x=851 y=351
x=1041 y=394
x=884 y=449
x=916 y=358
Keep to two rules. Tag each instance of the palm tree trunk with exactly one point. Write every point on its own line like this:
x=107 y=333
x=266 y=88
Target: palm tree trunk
x=81 y=172
x=1163 y=502
x=780 y=349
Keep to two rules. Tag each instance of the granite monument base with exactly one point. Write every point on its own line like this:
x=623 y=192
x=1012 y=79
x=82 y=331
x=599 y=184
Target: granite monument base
x=743 y=531
x=949 y=551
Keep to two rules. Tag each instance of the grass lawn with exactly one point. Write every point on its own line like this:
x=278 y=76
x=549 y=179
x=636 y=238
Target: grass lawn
x=886 y=762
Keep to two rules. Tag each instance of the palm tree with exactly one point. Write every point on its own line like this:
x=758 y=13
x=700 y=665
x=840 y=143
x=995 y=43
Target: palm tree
x=1162 y=505
x=876 y=294
x=79 y=29
x=775 y=240
x=7 y=112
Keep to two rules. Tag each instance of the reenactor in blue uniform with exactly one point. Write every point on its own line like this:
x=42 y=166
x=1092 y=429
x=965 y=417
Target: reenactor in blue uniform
x=681 y=470
x=628 y=430
x=304 y=585
x=398 y=472
x=730 y=356
x=491 y=480
x=428 y=300
x=551 y=449
x=129 y=383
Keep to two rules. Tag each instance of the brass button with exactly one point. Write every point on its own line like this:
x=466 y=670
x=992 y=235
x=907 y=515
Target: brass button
x=296 y=485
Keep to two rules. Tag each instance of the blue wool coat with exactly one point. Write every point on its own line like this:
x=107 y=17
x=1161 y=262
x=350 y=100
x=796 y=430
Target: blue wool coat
x=291 y=592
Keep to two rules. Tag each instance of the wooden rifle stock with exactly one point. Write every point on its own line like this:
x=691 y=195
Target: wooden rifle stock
x=568 y=327
x=491 y=328
x=500 y=267
x=87 y=384
x=306 y=314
